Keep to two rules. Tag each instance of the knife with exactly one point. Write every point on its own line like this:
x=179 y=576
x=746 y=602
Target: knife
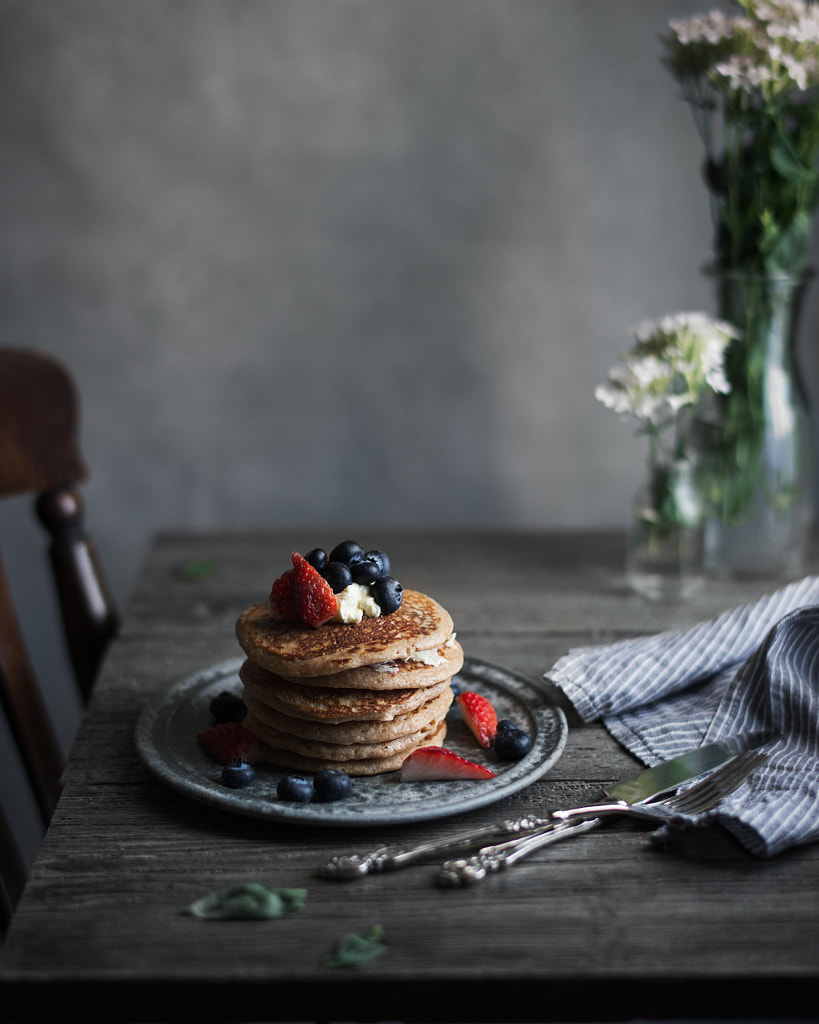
x=650 y=782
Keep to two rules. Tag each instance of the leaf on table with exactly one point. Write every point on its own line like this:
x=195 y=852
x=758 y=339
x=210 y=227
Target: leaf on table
x=197 y=569
x=357 y=949
x=251 y=901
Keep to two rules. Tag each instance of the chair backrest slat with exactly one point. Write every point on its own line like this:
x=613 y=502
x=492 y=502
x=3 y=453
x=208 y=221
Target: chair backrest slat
x=40 y=456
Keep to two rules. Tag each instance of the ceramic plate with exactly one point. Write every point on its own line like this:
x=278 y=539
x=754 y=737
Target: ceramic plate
x=166 y=739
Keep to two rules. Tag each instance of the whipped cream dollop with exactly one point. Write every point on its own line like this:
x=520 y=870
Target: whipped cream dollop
x=354 y=602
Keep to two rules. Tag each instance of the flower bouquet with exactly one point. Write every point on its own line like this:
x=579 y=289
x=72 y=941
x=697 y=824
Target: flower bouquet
x=752 y=81
x=674 y=367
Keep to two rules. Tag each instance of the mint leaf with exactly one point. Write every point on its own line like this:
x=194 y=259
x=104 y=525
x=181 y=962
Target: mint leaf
x=252 y=901
x=357 y=949
x=197 y=569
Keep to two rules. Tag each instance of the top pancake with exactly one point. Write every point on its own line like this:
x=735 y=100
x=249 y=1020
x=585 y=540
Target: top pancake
x=295 y=650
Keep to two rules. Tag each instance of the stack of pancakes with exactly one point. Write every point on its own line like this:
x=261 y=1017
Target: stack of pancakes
x=355 y=696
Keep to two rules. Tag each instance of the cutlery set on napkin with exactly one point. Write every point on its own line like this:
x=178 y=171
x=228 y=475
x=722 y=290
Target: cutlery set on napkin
x=695 y=704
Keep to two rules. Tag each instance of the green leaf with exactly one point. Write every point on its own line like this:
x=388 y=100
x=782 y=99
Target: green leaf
x=251 y=901
x=197 y=569
x=357 y=949
x=788 y=249
x=790 y=166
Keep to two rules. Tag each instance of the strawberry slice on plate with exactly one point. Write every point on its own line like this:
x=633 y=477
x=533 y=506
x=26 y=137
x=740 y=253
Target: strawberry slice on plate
x=222 y=743
x=429 y=764
x=479 y=714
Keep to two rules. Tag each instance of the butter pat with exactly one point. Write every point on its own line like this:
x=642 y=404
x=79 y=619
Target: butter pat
x=427 y=657
x=432 y=657
x=354 y=602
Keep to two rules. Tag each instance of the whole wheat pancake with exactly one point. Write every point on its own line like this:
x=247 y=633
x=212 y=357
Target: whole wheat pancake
x=333 y=704
x=295 y=650
x=367 y=731
x=441 y=663
x=364 y=766
x=340 y=751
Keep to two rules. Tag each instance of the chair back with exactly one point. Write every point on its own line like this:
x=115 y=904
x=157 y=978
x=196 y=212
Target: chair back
x=40 y=455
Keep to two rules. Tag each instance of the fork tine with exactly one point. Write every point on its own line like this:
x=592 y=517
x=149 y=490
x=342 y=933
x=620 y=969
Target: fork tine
x=706 y=794
x=718 y=784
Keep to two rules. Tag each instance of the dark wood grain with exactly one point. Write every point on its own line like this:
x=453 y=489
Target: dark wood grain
x=605 y=927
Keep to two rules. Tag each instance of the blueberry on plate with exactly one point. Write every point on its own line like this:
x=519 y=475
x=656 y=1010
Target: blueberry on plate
x=227 y=707
x=511 y=743
x=338 y=575
x=348 y=551
x=295 y=788
x=388 y=594
x=332 y=784
x=238 y=773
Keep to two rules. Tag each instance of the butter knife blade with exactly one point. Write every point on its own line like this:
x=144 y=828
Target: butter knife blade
x=670 y=774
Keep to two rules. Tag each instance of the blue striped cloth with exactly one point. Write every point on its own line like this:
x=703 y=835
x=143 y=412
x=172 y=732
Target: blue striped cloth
x=751 y=676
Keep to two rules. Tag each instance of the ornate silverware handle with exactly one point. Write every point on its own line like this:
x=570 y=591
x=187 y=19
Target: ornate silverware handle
x=593 y=810
x=468 y=870
x=344 y=867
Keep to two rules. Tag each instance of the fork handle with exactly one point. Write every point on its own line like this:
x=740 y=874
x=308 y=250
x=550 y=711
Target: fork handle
x=593 y=810
x=468 y=870
x=350 y=866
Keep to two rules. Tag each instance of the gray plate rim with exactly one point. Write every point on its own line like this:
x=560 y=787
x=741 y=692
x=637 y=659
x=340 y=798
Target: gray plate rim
x=166 y=741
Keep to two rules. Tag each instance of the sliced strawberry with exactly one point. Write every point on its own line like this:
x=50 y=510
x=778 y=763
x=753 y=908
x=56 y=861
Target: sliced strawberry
x=479 y=715
x=314 y=598
x=437 y=763
x=282 y=601
x=222 y=743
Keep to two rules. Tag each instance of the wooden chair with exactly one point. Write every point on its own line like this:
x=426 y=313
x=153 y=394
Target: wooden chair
x=40 y=455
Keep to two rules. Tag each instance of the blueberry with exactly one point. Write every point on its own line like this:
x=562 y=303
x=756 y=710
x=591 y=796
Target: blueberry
x=455 y=687
x=295 y=788
x=380 y=559
x=317 y=558
x=338 y=575
x=512 y=744
x=365 y=572
x=505 y=723
x=348 y=551
x=388 y=594
x=238 y=774
x=228 y=707
x=332 y=784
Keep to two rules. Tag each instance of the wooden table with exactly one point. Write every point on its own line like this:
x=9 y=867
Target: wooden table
x=602 y=927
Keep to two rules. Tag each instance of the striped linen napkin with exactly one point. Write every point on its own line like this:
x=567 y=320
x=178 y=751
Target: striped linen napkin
x=751 y=676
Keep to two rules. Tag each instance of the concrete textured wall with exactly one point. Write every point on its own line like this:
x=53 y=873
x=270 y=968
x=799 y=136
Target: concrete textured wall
x=357 y=259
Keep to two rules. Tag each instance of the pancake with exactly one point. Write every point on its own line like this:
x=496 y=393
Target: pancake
x=443 y=663
x=366 y=731
x=333 y=704
x=354 y=767
x=295 y=650
x=341 y=751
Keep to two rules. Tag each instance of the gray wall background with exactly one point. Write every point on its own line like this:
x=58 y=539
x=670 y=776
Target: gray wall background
x=358 y=259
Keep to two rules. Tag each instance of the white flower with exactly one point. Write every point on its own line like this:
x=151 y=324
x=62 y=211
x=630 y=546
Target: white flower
x=674 y=362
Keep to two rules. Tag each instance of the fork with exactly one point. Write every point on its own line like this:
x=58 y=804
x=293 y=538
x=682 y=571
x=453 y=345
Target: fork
x=343 y=867
x=701 y=797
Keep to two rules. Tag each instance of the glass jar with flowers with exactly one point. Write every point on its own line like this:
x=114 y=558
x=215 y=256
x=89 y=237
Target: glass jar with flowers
x=664 y=382
x=752 y=81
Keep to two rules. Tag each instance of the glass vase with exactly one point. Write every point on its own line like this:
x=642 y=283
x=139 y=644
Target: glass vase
x=664 y=558
x=756 y=449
